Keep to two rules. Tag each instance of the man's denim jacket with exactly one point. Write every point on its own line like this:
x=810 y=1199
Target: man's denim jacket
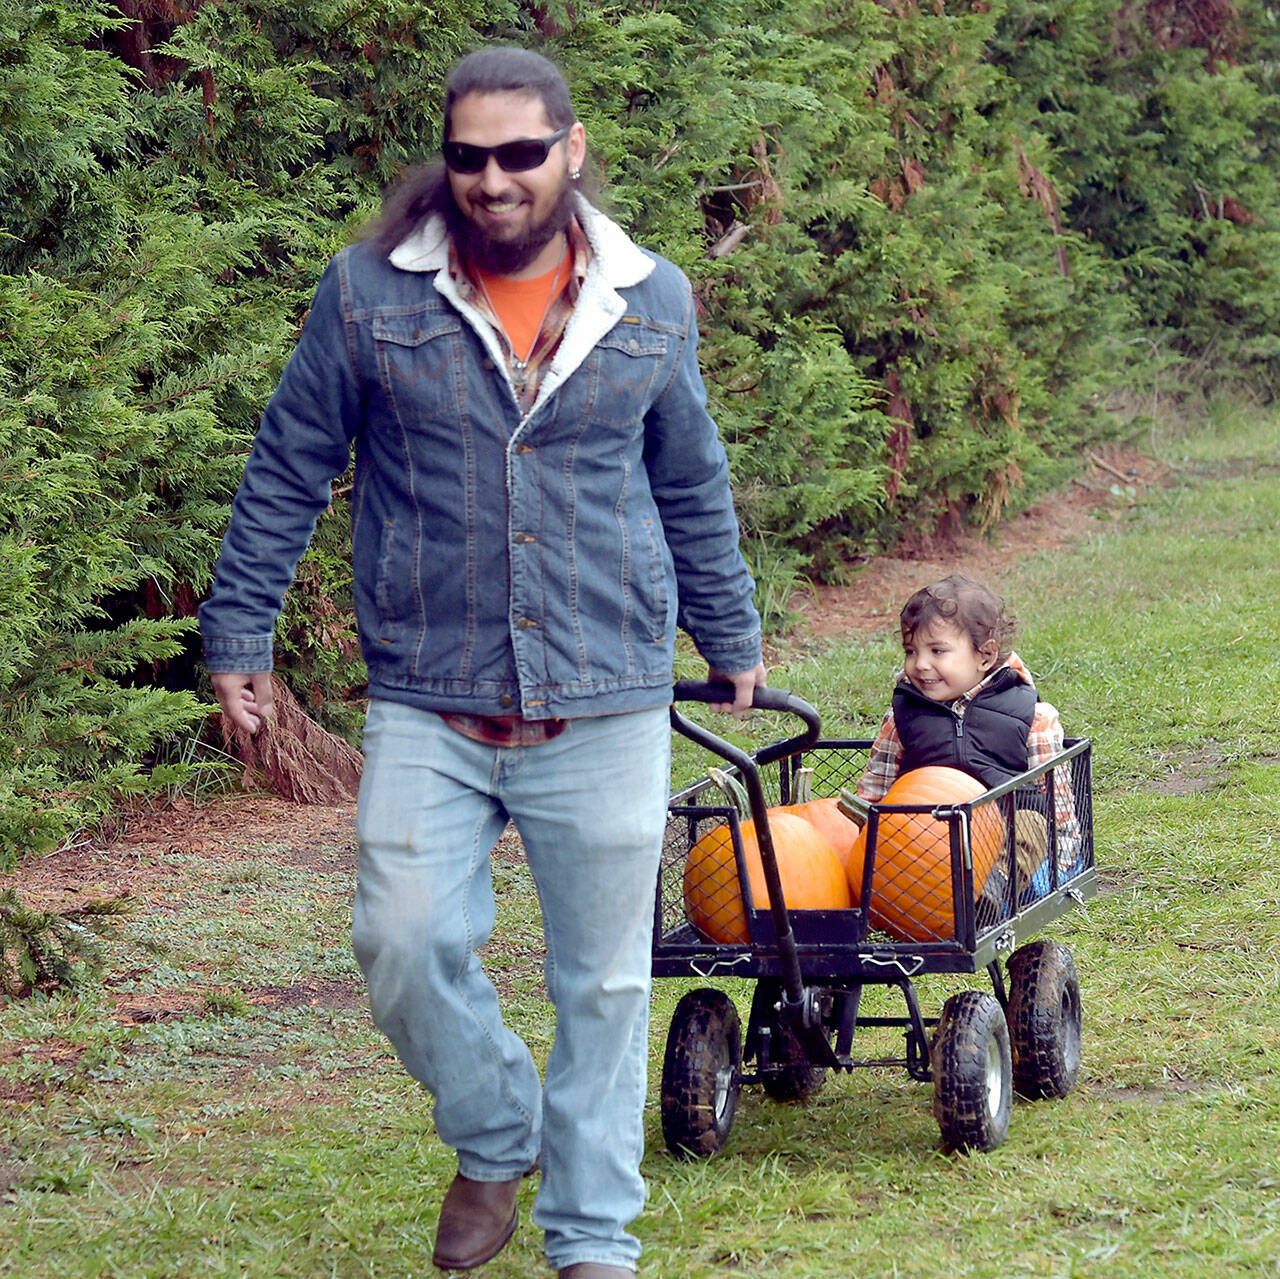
x=503 y=563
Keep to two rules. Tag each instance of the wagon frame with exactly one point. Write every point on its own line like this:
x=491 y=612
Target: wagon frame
x=811 y=967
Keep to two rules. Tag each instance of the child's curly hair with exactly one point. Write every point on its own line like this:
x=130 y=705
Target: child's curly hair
x=975 y=609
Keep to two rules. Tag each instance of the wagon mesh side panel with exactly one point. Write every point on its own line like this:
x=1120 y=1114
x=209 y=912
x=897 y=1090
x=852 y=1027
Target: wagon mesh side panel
x=1046 y=842
x=700 y=808
x=709 y=887
x=914 y=895
x=836 y=766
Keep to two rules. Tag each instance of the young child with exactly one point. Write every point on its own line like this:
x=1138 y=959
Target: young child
x=965 y=700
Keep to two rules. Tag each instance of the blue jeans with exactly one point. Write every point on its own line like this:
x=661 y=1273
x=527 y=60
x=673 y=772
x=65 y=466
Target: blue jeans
x=590 y=807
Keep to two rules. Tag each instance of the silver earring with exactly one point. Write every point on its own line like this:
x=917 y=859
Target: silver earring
x=575 y=174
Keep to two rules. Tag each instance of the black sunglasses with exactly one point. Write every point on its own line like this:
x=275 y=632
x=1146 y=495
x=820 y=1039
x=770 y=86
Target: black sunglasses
x=512 y=157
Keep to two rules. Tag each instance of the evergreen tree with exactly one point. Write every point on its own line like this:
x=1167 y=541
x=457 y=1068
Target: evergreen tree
x=1162 y=124
x=922 y=241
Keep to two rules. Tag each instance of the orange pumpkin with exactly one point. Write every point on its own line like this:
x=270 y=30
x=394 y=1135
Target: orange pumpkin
x=825 y=816
x=911 y=892
x=811 y=874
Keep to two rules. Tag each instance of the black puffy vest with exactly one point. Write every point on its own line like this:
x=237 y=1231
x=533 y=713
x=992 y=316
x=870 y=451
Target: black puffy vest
x=988 y=741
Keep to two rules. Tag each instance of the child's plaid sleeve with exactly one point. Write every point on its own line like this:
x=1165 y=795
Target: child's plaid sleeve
x=1044 y=741
x=1045 y=738
x=883 y=763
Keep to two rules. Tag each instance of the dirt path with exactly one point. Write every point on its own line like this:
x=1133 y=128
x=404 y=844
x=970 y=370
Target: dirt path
x=1070 y=515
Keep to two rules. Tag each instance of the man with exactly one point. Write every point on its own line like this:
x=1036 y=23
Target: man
x=539 y=495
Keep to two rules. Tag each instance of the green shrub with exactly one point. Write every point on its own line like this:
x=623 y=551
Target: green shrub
x=44 y=950
x=165 y=223
x=924 y=242
x=1162 y=120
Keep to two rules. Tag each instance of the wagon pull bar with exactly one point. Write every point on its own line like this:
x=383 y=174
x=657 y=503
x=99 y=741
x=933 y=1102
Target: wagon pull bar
x=748 y=766
x=765 y=699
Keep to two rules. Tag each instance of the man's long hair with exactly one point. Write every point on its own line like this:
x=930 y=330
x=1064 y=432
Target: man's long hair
x=424 y=190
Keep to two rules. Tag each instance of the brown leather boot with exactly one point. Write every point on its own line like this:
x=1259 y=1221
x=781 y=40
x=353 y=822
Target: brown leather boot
x=477 y=1220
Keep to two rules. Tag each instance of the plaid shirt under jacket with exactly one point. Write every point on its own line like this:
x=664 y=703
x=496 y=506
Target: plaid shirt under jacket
x=526 y=381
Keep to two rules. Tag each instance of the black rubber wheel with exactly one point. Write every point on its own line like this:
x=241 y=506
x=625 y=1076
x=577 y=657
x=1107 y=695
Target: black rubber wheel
x=1044 y=1019
x=791 y=1076
x=701 y=1074
x=972 y=1072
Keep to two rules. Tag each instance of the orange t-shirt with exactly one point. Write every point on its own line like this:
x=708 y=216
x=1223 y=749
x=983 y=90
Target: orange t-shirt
x=522 y=305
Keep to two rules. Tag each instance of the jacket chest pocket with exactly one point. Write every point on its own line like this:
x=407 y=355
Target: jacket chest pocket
x=625 y=368
x=421 y=365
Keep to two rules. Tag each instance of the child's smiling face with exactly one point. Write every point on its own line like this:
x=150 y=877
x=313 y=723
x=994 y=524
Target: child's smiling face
x=942 y=662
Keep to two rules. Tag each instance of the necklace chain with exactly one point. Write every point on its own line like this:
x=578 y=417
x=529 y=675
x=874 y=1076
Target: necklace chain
x=522 y=364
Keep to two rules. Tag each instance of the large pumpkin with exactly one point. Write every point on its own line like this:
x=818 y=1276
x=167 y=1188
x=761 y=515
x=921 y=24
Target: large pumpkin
x=911 y=891
x=824 y=814
x=826 y=817
x=811 y=874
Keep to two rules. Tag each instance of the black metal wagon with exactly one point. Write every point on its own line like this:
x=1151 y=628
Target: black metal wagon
x=811 y=967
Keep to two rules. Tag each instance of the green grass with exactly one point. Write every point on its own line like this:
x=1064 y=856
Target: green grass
x=262 y=1128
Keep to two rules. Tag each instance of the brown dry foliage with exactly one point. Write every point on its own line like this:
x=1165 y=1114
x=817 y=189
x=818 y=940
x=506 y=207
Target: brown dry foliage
x=293 y=757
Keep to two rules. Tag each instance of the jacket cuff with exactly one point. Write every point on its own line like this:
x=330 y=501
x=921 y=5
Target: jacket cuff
x=239 y=654
x=733 y=656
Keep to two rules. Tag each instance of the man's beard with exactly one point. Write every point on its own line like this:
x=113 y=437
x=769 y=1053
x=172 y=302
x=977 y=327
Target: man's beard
x=506 y=257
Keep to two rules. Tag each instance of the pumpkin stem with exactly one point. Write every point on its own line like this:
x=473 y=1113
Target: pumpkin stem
x=853 y=806
x=733 y=789
x=803 y=786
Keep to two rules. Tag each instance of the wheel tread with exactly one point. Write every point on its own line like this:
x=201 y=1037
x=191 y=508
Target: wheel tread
x=704 y=1038
x=1044 y=1019
x=959 y=1064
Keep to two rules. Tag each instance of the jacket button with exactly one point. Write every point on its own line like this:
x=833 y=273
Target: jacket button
x=525 y=622
x=523 y=448
x=488 y=364
x=506 y=700
x=525 y=537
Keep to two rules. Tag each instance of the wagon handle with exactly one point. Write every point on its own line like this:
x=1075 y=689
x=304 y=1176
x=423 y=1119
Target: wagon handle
x=763 y=699
x=748 y=766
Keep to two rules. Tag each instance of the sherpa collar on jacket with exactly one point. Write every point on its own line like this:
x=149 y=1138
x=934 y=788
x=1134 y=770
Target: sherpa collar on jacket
x=617 y=262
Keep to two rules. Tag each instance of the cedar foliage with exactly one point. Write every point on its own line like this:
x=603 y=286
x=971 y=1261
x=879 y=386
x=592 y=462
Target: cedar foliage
x=925 y=240
x=1162 y=121
x=43 y=950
